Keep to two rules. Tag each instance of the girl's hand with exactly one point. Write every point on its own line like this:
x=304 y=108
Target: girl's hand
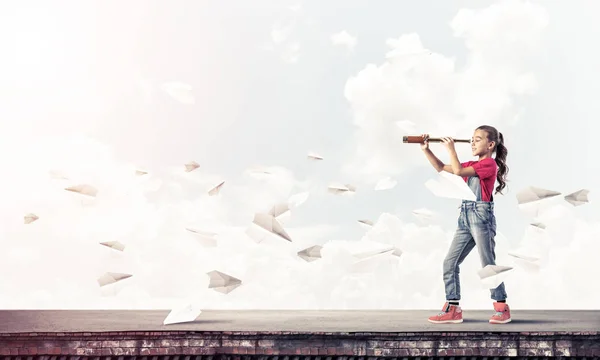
x=425 y=144
x=448 y=143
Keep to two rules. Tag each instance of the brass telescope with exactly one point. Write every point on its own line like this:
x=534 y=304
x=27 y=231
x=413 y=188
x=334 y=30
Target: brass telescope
x=419 y=140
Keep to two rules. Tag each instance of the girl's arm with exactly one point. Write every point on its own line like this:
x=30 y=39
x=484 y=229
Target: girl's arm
x=437 y=164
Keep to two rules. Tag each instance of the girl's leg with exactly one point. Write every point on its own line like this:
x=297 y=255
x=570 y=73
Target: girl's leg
x=461 y=246
x=483 y=230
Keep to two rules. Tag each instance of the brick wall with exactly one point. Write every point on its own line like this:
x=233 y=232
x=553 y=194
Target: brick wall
x=301 y=346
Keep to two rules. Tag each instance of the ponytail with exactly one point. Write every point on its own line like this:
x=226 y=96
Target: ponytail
x=501 y=153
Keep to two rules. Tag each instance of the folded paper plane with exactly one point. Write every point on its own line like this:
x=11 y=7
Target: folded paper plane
x=314 y=156
x=29 y=218
x=208 y=239
x=493 y=275
x=450 y=186
x=341 y=189
x=115 y=245
x=578 y=197
x=111 y=278
x=258 y=172
x=215 y=191
x=371 y=254
x=265 y=224
x=524 y=257
x=311 y=254
x=423 y=214
x=83 y=189
x=538 y=225
x=191 y=166
x=529 y=263
x=184 y=314
x=532 y=194
x=365 y=224
x=222 y=283
x=279 y=209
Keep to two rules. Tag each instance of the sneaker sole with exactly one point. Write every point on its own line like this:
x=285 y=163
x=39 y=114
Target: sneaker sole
x=500 y=321
x=445 y=321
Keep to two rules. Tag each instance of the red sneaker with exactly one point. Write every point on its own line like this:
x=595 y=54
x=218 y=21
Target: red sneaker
x=502 y=315
x=451 y=314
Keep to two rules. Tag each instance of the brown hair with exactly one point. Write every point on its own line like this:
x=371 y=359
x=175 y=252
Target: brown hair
x=501 y=152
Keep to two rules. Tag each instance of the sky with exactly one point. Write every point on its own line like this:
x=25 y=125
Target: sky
x=89 y=96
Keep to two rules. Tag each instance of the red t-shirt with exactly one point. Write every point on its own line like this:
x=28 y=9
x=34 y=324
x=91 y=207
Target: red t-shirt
x=486 y=170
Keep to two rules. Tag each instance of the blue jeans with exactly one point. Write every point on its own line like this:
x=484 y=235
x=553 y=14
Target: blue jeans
x=476 y=227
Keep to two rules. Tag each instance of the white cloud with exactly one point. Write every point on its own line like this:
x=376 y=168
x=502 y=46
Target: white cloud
x=342 y=38
x=291 y=53
x=431 y=91
x=282 y=34
x=281 y=30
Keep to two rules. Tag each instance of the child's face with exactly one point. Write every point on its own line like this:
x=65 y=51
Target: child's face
x=479 y=143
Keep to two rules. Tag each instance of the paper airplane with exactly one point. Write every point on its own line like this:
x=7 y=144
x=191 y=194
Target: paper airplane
x=111 y=278
x=493 y=275
x=115 y=245
x=282 y=211
x=365 y=224
x=341 y=189
x=367 y=261
x=222 y=283
x=450 y=186
x=191 y=166
x=279 y=209
x=185 y=314
x=578 y=197
x=311 y=254
x=140 y=172
x=215 y=191
x=385 y=184
x=538 y=225
x=83 y=189
x=29 y=218
x=264 y=225
x=529 y=263
x=370 y=254
x=258 y=172
x=314 y=156
x=205 y=238
x=524 y=257
x=423 y=214
x=179 y=91
x=532 y=194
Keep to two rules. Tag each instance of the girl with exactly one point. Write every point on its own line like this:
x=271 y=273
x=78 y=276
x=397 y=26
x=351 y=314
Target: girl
x=477 y=222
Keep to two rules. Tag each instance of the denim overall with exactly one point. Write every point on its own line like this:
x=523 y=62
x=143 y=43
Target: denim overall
x=476 y=227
